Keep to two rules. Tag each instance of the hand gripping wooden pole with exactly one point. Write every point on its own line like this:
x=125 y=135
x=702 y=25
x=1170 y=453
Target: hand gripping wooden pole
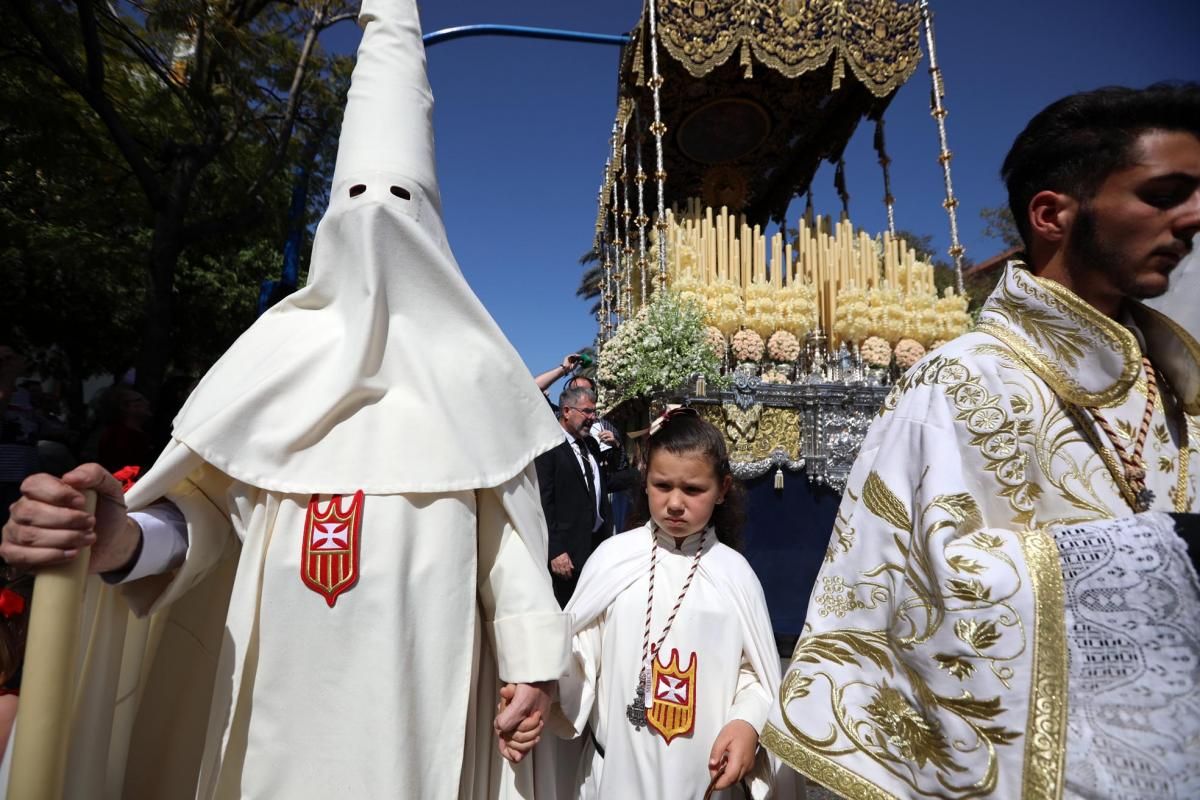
x=47 y=685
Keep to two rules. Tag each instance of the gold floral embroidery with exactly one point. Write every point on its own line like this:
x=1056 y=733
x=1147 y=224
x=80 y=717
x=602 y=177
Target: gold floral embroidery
x=1060 y=336
x=837 y=598
x=955 y=664
x=1160 y=434
x=902 y=728
x=964 y=564
x=842 y=540
x=1048 y=317
x=997 y=436
x=979 y=634
x=883 y=503
x=900 y=718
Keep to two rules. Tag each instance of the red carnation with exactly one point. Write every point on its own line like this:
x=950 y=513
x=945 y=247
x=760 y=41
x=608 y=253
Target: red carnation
x=11 y=603
x=127 y=476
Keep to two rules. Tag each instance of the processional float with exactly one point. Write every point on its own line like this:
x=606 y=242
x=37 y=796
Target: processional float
x=726 y=109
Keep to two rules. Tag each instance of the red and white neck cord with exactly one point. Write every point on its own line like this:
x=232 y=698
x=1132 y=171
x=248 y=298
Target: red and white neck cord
x=649 y=652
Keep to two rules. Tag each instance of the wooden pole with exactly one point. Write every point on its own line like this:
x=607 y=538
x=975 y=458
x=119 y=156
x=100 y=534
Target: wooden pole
x=39 y=757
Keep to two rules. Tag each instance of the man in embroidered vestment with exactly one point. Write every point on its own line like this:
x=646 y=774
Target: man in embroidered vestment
x=988 y=527
x=339 y=566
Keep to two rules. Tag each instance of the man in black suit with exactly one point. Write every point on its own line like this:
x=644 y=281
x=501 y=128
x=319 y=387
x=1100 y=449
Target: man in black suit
x=575 y=480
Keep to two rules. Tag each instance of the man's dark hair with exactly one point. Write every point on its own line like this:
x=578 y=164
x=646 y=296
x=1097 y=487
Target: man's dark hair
x=591 y=383
x=573 y=395
x=1073 y=144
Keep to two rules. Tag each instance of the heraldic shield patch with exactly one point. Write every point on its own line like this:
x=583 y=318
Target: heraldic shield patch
x=329 y=559
x=674 y=710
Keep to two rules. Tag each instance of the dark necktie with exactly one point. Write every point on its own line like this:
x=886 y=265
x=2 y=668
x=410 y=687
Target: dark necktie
x=587 y=470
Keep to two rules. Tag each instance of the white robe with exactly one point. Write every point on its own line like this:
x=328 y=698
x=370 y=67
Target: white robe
x=934 y=655
x=385 y=375
x=723 y=620
x=386 y=694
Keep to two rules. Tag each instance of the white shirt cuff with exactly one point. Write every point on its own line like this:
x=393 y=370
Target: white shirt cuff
x=164 y=540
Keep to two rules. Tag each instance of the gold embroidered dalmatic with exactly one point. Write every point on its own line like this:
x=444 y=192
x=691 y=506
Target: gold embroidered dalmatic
x=933 y=659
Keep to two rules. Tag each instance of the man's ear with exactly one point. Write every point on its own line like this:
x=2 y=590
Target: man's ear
x=726 y=484
x=1051 y=215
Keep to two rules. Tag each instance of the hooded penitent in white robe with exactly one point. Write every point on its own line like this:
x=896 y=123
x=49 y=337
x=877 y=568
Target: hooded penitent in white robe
x=256 y=674
x=722 y=624
x=934 y=657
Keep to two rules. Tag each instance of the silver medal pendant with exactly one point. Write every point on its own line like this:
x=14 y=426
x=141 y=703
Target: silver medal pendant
x=635 y=712
x=1143 y=500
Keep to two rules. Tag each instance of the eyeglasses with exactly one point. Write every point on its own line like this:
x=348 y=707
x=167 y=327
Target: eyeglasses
x=587 y=412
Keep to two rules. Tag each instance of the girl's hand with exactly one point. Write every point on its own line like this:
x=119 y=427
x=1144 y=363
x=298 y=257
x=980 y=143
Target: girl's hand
x=735 y=746
x=513 y=745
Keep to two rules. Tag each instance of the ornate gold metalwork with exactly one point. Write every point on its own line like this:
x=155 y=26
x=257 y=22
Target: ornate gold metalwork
x=756 y=432
x=879 y=40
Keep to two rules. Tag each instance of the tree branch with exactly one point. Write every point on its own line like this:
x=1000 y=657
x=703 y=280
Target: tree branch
x=148 y=56
x=336 y=18
x=295 y=95
x=93 y=93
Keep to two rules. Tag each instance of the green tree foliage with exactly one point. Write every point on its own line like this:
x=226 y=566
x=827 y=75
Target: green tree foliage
x=999 y=225
x=591 y=281
x=148 y=151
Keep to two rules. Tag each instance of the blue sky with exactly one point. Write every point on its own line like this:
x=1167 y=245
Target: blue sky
x=522 y=131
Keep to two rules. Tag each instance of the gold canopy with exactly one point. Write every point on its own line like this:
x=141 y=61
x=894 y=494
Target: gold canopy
x=878 y=39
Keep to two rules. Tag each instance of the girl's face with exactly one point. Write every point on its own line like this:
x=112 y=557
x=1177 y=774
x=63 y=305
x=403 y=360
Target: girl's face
x=683 y=489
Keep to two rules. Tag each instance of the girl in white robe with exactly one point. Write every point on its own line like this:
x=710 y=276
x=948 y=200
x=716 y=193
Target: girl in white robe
x=709 y=633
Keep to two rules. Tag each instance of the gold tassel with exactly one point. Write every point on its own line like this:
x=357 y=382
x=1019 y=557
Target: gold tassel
x=701 y=387
x=779 y=479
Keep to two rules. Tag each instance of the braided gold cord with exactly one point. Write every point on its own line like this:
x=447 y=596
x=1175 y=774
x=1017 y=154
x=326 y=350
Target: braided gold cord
x=1128 y=469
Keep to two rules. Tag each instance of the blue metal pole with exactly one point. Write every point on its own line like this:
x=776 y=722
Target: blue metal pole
x=524 y=31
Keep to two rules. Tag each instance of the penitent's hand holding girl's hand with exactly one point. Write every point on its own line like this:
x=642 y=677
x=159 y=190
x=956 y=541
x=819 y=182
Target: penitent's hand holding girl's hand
x=517 y=730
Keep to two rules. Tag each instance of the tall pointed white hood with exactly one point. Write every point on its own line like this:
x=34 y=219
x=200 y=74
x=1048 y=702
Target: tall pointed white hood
x=385 y=373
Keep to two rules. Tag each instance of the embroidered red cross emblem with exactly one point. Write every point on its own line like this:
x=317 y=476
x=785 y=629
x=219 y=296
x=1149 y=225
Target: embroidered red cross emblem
x=673 y=690
x=325 y=535
x=329 y=559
